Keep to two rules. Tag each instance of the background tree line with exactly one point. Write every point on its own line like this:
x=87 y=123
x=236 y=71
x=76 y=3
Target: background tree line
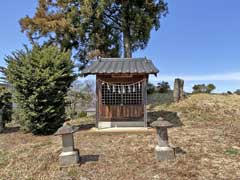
x=202 y=88
x=164 y=87
x=161 y=87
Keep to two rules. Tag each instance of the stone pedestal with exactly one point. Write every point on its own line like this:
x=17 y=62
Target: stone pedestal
x=69 y=158
x=163 y=151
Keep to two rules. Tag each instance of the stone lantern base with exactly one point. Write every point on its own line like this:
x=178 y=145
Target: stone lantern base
x=164 y=153
x=69 y=158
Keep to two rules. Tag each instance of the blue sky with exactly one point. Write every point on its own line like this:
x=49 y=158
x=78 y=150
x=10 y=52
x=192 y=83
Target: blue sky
x=198 y=41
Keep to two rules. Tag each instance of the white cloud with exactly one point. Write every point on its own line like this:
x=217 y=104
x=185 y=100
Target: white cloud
x=234 y=76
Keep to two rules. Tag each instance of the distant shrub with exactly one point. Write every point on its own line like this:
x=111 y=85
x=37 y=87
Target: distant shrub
x=229 y=92
x=150 y=88
x=82 y=114
x=202 y=88
x=40 y=79
x=72 y=113
x=76 y=100
x=237 y=92
x=163 y=87
x=199 y=88
x=210 y=88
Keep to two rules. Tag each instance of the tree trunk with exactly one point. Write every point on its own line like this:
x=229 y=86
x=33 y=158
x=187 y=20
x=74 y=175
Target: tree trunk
x=178 y=93
x=126 y=31
x=127 y=45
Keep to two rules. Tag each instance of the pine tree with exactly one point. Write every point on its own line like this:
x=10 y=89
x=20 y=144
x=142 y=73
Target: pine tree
x=95 y=27
x=40 y=78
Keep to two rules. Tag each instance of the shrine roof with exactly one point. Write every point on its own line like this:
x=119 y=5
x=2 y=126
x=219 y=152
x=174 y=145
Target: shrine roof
x=121 y=65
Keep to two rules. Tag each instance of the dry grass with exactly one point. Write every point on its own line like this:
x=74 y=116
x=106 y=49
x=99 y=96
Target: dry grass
x=207 y=142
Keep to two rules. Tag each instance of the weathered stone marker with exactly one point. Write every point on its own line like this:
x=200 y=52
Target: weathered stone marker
x=69 y=155
x=163 y=150
x=178 y=93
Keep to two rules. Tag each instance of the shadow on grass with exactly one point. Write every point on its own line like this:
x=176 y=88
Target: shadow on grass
x=179 y=151
x=82 y=127
x=89 y=158
x=169 y=116
x=8 y=130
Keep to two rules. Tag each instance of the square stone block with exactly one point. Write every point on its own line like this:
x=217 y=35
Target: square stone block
x=69 y=158
x=164 y=153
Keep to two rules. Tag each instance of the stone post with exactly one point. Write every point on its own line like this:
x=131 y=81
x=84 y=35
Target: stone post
x=69 y=155
x=2 y=125
x=163 y=150
x=178 y=92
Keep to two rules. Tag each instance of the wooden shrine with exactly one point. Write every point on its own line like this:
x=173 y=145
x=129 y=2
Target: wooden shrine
x=121 y=88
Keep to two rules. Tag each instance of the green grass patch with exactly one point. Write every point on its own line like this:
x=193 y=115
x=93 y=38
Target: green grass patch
x=232 y=152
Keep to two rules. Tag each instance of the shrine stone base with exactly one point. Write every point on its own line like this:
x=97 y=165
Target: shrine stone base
x=121 y=124
x=69 y=158
x=164 y=153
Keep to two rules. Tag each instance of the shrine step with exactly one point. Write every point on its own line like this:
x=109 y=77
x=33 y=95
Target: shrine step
x=117 y=124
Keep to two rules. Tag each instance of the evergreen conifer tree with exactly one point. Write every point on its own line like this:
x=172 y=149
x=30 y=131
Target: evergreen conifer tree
x=40 y=78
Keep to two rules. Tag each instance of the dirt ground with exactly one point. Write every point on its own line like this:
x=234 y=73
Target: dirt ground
x=206 y=138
